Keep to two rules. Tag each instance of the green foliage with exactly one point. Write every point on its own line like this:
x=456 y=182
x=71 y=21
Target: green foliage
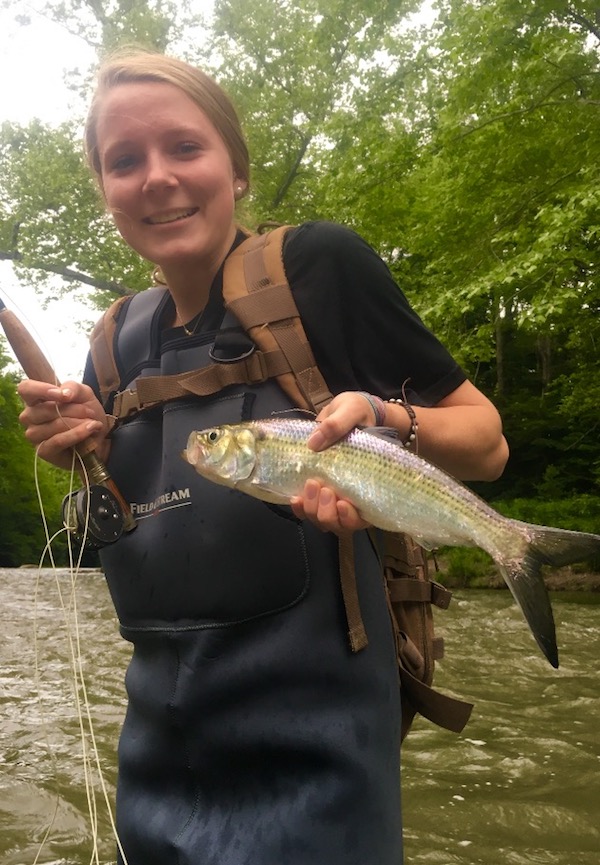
x=22 y=537
x=307 y=78
x=466 y=151
x=577 y=513
x=463 y=567
x=52 y=218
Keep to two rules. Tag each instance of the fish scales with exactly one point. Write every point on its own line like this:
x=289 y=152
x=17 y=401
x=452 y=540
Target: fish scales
x=395 y=490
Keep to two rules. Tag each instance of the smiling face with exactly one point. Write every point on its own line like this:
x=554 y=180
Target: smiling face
x=168 y=178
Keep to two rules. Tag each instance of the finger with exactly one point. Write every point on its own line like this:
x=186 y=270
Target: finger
x=47 y=412
x=349 y=518
x=305 y=506
x=33 y=392
x=345 y=412
x=62 y=434
x=320 y=506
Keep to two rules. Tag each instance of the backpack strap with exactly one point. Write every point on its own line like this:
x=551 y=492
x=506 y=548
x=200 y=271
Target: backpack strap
x=256 y=290
x=102 y=348
x=410 y=596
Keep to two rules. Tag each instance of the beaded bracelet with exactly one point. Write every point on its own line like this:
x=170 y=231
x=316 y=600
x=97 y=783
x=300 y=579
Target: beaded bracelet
x=377 y=404
x=414 y=426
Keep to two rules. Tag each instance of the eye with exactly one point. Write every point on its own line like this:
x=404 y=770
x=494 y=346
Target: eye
x=213 y=436
x=187 y=148
x=122 y=163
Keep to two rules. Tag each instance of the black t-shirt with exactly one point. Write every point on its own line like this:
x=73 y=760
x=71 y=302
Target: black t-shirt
x=362 y=330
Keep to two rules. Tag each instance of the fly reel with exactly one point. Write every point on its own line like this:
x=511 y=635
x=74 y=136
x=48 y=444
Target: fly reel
x=93 y=515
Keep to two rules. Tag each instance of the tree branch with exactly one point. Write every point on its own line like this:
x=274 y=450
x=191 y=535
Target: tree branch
x=291 y=175
x=70 y=275
x=584 y=22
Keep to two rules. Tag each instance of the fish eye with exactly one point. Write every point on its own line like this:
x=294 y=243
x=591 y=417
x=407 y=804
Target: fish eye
x=213 y=436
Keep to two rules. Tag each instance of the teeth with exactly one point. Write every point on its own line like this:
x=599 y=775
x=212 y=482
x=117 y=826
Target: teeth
x=171 y=217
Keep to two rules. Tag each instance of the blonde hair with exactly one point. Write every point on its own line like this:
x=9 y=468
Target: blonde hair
x=132 y=65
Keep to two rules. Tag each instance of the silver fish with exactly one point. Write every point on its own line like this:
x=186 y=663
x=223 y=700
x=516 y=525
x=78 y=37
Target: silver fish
x=395 y=490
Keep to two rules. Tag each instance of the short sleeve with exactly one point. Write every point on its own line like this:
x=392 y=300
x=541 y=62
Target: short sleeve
x=363 y=332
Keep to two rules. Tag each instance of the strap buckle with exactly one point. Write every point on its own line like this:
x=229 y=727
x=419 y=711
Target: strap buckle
x=127 y=402
x=256 y=367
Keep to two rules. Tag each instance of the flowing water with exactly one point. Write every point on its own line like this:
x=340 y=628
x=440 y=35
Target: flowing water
x=521 y=785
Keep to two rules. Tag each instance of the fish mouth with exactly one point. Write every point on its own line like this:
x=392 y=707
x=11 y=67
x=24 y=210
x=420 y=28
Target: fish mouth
x=171 y=216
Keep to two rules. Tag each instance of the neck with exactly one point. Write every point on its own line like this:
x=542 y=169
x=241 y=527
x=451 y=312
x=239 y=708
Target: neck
x=189 y=281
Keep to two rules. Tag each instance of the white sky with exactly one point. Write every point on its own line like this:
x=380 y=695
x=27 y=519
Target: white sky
x=33 y=59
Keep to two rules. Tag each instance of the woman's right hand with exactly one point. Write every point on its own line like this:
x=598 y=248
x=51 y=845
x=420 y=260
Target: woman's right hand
x=57 y=419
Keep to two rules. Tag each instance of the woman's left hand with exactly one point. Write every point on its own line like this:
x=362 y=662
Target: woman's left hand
x=319 y=503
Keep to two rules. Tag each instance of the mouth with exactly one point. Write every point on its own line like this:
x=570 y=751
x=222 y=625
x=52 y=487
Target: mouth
x=171 y=216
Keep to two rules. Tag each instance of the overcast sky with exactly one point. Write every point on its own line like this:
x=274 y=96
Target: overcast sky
x=33 y=59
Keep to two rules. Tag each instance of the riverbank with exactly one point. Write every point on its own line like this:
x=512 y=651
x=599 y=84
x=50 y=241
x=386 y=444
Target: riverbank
x=568 y=579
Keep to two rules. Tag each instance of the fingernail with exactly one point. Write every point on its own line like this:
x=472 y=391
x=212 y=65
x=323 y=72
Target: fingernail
x=326 y=497
x=94 y=426
x=317 y=441
x=311 y=491
x=65 y=391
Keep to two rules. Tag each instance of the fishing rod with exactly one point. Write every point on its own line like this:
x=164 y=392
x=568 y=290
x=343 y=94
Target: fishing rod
x=99 y=512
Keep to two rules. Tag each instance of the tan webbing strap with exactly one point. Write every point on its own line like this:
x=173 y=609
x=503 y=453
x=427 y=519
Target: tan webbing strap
x=440 y=708
x=408 y=589
x=252 y=307
x=257 y=264
x=438 y=648
x=101 y=348
x=356 y=629
x=152 y=390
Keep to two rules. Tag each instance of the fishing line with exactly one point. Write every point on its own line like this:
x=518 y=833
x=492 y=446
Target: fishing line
x=89 y=752
x=90 y=755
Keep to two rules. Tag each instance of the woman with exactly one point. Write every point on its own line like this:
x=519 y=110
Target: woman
x=253 y=734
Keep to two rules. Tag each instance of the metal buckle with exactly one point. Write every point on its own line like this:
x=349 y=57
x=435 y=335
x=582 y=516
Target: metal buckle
x=126 y=402
x=237 y=359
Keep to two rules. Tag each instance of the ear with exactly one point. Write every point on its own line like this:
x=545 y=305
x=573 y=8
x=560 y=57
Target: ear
x=240 y=187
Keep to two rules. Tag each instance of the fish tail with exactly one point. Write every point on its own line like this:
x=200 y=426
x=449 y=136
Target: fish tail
x=560 y=547
x=524 y=579
x=545 y=546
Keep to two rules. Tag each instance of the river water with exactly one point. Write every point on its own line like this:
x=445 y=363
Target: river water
x=521 y=785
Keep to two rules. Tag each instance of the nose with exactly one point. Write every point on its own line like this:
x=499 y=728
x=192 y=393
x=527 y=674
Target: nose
x=159 y=172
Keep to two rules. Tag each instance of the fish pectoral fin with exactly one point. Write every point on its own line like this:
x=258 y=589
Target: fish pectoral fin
x=425 y=543
x=524 y=579
x=266 y=494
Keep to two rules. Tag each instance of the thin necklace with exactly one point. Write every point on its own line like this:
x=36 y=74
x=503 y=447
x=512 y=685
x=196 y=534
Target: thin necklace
x=187 y=330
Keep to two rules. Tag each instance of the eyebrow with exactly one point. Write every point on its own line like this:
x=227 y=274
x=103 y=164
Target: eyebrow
x=183 y=131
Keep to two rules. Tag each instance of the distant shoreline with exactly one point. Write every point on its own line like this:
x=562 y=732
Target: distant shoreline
x=567 y=579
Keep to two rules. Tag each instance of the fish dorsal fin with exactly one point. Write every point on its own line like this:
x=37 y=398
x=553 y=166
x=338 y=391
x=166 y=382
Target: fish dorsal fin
x=388 y=433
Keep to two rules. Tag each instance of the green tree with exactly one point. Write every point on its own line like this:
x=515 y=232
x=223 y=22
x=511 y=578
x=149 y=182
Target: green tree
x=503 y=228
x=467 y=156
x=22 y=537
